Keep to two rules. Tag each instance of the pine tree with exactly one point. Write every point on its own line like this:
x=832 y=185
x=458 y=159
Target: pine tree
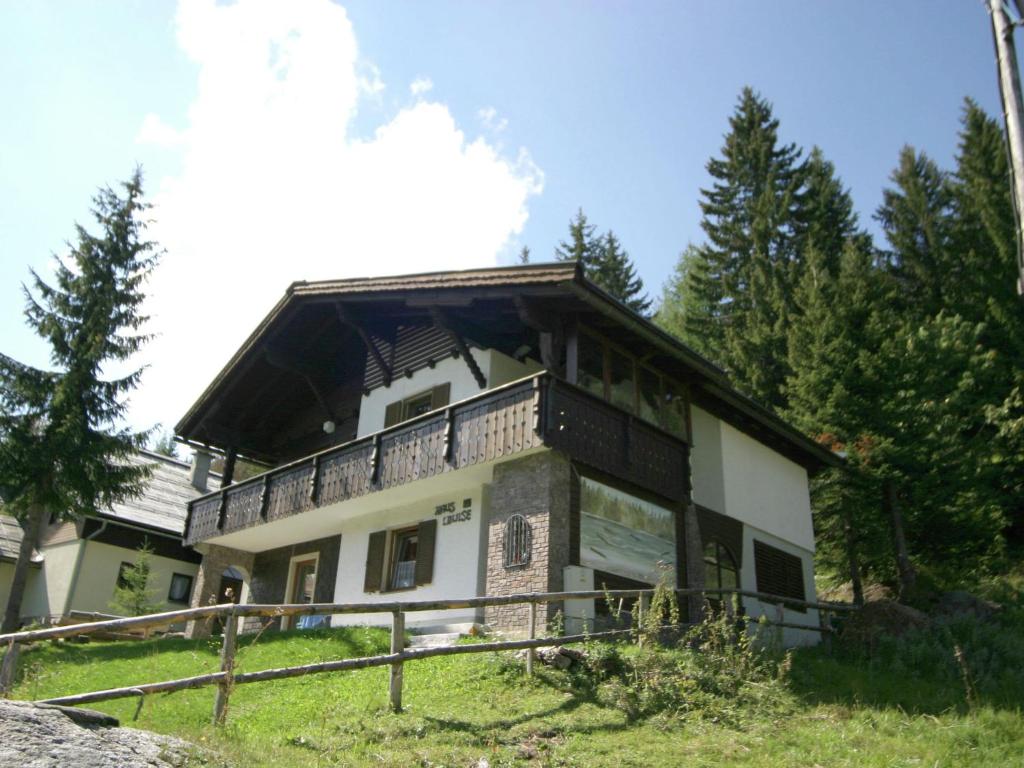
x=133 y=595
x=524 y=255
x=63 y=449
x=751 y=215
x=916 y=216
x=682 y=310
x=165 y=445
x=605 y=262
x=613 y=270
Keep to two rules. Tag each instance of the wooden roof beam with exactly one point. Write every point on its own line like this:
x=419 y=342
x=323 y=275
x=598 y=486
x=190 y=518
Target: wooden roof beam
x=278 y=358
x=442 y=322
x=346 y=319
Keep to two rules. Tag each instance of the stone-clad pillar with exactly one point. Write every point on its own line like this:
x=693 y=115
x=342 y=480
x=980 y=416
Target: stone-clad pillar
x=536 y=487
x=204 y=592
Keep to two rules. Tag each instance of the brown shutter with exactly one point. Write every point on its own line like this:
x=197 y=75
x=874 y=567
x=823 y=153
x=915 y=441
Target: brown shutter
x=440 y=395
x=426 y=537
x=375 y=561
x=393 y=414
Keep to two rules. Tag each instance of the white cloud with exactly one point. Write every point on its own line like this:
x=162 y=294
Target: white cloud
x=421 y=85
x=489 y=118
x=273 y=186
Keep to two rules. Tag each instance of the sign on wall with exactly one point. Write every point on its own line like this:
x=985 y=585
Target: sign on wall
x=449 y=514
x=623 y=534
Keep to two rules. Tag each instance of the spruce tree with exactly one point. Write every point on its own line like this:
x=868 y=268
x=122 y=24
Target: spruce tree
x=751 y=215
x=605 y=262
x=64 y=451
x=683 y=310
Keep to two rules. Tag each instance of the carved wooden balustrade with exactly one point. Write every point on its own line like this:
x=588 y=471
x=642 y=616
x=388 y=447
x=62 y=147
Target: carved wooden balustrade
x=537 y=411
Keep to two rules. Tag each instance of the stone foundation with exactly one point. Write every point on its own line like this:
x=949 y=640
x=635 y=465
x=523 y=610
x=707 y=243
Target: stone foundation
x=536 y=487
x=207 y=586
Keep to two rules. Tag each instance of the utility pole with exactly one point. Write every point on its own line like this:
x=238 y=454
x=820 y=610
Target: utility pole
x=1013 y=113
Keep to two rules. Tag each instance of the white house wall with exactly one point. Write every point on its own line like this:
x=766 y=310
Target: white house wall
x=738 y=476
x=748 y=581
x=706 y=461
x=457 y=555
x=46 y=591
x=497 y=368
x=98 y=576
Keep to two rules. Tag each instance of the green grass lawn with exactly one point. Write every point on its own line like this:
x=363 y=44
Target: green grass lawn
x=830 y=711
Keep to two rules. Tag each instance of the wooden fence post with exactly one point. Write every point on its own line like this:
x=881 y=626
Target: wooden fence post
x=530 y=652
x=227 y=664
x=397 y=646
x=826 y=630
x=8 y=668
x=641 y=610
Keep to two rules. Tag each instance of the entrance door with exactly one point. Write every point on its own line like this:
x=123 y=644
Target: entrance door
x=303 y=584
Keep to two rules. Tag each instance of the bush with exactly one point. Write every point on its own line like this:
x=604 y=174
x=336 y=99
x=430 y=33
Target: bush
x=715 y=673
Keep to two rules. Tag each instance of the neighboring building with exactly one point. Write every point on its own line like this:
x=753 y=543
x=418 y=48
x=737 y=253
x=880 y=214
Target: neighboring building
x=486 y=432
x=77 y=564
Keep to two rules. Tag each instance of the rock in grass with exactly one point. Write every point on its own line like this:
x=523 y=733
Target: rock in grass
x=43 y=736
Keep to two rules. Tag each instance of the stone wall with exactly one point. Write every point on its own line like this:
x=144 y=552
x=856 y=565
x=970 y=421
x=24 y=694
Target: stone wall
x=215 y=561
x=538 y=488
x=269 y=582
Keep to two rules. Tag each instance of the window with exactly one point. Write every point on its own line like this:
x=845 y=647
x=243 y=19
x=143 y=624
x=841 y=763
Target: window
x=181 y=588
x=122 y=574
x=720 y=570
x=612 y=373
x=400 y=559
x=417 y=405
x=779 y=573
x=518 y=540
x=403 y=560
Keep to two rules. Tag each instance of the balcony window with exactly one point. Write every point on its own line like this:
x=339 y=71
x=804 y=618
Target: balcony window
x=590 y=375
x=649 y=395
x=621 y=381
x=417 y=405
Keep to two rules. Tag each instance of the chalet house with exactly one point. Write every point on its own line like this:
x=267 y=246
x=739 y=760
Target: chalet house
x=490 y=431
x=77 y=565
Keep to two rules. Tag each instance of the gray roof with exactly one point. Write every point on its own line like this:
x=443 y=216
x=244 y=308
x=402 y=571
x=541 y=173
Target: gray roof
x=10 y=537
x=163 y=505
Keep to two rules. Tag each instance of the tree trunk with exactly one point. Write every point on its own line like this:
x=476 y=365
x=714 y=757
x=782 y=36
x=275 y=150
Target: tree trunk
x=854 y=561
x=32 y=525
x=904 y=567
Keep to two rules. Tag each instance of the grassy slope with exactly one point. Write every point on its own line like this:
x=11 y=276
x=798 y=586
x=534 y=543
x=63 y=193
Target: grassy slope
x=460 y=709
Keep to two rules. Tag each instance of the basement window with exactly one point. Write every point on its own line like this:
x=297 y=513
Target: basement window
x=181 y=588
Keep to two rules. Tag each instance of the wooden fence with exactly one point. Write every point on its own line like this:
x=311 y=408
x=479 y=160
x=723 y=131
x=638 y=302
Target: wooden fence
x=226 y=679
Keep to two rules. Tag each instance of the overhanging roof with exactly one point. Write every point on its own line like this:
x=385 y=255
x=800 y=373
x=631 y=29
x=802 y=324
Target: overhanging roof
x=557 y=280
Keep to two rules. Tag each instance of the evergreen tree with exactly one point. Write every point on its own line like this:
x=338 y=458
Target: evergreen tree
x=133 y=595
x=63 y=451
x=751 y=215
x=682 y=311
x=605 y=262
x=524 y=255
x=916 y=216
x=165 y=445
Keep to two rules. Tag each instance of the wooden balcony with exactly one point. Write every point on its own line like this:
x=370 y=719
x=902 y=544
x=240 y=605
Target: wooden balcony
x=537 y=411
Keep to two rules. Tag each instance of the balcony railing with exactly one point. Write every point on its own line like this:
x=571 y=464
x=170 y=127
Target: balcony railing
x=528 y=413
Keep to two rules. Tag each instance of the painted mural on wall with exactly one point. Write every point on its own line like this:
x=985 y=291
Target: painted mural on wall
x=622 y=534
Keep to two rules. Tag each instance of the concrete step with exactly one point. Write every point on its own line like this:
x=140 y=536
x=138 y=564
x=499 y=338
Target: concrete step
x=435 y=640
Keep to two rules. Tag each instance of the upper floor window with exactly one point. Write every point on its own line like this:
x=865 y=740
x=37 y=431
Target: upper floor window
x=612 y=373
x=417 y=405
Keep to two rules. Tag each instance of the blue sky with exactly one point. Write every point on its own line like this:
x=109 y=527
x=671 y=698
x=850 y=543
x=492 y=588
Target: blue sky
x=288 y=141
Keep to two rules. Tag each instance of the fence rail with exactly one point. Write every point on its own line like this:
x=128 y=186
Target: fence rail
x=225 y=679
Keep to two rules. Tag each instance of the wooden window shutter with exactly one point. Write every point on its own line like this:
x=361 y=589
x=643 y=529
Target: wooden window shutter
x=778 y=573
x=427 y=536
x=440 y=395
x=393 y=414
x=375 y=561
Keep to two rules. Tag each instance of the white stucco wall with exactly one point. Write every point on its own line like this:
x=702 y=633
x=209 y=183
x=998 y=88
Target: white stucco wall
x=748 y=581
x=456 y=556
x=46 y=592
x=98 y=576
x=706 y=461
x=765 y=489
x=498 y=369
